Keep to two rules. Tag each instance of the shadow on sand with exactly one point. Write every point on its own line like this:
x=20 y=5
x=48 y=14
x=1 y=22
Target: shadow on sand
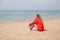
x=36 y=30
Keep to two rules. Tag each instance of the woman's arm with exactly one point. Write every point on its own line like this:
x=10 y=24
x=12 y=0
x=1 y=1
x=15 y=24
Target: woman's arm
x=32 y=23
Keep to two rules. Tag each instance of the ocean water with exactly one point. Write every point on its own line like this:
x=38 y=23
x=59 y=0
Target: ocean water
x=20 y=15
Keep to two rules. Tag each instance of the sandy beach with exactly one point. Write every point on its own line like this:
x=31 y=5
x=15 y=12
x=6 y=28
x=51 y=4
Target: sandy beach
x=19 y=30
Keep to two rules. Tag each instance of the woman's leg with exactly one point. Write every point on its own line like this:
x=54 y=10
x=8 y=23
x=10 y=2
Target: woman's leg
x=31 y=27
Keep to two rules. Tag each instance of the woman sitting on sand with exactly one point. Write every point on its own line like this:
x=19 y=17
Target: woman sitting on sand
x=38 y=22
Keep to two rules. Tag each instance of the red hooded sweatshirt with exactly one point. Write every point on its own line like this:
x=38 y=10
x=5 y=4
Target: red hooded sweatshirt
x=39 y=23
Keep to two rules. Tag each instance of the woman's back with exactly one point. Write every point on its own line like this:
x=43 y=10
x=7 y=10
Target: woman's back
x=39 y=24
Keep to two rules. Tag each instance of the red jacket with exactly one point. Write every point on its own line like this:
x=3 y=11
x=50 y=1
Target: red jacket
x=39 y=23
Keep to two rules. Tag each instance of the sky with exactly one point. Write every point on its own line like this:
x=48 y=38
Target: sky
x=29 y=4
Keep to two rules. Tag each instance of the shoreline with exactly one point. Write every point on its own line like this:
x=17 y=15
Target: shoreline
x=27 y=20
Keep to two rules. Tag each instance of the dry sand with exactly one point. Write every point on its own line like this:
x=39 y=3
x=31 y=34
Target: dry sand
x=19 y=31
